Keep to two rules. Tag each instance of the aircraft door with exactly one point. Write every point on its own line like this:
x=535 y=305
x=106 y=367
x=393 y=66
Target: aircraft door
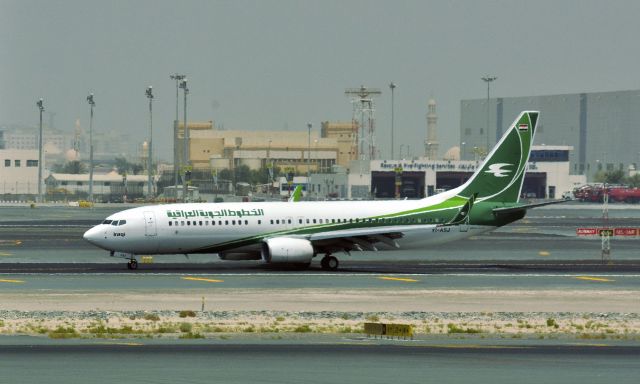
x=150 y=224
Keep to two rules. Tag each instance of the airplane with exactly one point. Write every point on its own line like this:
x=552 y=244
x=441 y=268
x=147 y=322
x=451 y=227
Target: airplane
x=294 y=232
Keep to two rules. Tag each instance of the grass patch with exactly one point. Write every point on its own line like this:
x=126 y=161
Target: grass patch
x=551 y=322
x=452 y=328
x=186 y=327
x=63 y=333
x=151 y=317
x=190 y=335
x=184 y=314
x=302 y=329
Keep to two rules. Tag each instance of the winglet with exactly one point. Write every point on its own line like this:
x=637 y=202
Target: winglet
x=296 y=195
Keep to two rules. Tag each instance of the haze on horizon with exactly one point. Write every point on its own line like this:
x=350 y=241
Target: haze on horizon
x=273 y=65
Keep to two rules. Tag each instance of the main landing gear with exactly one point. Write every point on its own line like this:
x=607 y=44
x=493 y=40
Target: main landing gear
x=329 y=262
x=132 y=264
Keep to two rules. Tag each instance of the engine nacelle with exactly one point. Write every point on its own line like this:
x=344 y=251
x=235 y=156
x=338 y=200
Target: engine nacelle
x=287 y=250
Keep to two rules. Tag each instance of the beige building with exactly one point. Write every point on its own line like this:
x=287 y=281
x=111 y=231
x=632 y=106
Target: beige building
x=19 y=171
x=219 y=149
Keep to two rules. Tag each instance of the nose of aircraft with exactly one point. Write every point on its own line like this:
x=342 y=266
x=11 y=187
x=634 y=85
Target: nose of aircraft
x=94 y=235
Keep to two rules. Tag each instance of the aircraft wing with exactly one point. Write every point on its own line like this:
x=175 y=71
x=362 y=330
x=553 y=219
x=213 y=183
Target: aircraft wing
x=363 y=239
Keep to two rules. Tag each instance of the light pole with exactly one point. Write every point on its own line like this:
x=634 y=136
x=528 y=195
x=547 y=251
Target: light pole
x=401 y=145
x=308 y=155
x=392 y=86
x=91 y=105
x=149 y=94
x=488 y=79
x=462 y=150
x=40 y=105
x=185 y=148
x=178 y=78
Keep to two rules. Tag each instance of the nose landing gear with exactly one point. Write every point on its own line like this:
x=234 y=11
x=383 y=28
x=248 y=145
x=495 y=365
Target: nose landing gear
x=329 y=262
x=132 y=264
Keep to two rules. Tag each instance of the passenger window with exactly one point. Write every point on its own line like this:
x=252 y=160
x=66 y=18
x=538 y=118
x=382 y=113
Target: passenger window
x=289 y=221
x=226 y=222
x=246 y=222
x=314 y=221
x=233 y=222
x=170 y=223
x=259 y=222
x=206 y=223
x=188 y=222
x=213 y=222
x=182 y=223
x=200 y=222
x=307 y=221
x=333 y=221
x=220 y=222
x=299 y=221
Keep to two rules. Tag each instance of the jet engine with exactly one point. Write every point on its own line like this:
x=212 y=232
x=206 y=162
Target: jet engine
x=287 y=250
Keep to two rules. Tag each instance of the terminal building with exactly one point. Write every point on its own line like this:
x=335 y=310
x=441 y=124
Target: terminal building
x=547 y=176
x=602 y=127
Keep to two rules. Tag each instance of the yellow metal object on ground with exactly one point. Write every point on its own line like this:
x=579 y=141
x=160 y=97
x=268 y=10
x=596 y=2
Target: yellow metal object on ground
x=392 y=330
x=146 y=260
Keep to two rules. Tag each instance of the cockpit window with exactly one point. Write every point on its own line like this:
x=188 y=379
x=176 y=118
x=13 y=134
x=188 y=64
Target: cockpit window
x=122 y=222
x=114 y=222
x=106 y=222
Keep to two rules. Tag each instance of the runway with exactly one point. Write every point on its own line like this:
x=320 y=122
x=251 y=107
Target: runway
x=545 y=240
x=346 y=360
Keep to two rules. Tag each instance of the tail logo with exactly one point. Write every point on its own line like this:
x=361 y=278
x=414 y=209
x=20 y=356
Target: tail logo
x=497 y=171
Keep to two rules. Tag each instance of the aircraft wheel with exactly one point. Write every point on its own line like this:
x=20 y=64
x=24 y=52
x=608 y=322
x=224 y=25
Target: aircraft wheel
x=330 y=263
x=133 y=264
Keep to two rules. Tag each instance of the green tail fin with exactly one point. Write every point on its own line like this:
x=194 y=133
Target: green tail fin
x=500 y=176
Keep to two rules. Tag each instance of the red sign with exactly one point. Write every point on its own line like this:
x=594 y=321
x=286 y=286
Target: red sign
x=626 y=232
x=586 y=231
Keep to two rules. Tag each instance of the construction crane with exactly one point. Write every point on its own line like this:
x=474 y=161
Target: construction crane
x=363 y=106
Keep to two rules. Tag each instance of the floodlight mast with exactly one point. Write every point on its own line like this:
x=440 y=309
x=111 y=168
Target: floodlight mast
x=92 y=104
x=150 y=194
x=176 y=161
x=40 y=104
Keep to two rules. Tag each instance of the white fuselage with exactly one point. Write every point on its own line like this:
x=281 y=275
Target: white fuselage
x=197 y=226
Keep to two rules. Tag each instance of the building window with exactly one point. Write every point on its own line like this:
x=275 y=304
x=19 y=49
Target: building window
x=32 y=163
x=7 y=162
x=79 y=183
x=16 y=163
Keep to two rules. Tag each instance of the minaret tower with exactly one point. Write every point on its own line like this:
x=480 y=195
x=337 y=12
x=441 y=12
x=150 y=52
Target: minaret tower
x=431 y=143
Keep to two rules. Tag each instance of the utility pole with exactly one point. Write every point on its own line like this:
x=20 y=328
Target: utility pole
x=392 y=85
x=488 y=79
x=149 y=94
x=91 y=104
x=185 y=137
x=40 y=104
x=176 y=161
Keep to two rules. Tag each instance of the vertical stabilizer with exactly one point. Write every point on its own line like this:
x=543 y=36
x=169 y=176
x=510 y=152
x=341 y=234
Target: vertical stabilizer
x=499 y=178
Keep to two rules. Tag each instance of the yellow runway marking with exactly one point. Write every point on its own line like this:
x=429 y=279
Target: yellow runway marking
x=544 y=253
x=11 y=281
x=589 y=278
x=398 y=279
x=5 y=254
x=202 y=279
x=10 y=242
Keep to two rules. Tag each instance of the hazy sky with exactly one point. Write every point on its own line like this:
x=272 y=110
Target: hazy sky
x=268 y=65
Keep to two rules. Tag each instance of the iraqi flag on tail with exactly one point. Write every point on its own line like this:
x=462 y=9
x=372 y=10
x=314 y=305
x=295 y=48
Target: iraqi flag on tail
x=523 y=127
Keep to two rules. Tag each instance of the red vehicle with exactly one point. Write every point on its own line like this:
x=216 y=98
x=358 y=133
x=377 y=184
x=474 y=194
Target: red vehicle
x=594 y=193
